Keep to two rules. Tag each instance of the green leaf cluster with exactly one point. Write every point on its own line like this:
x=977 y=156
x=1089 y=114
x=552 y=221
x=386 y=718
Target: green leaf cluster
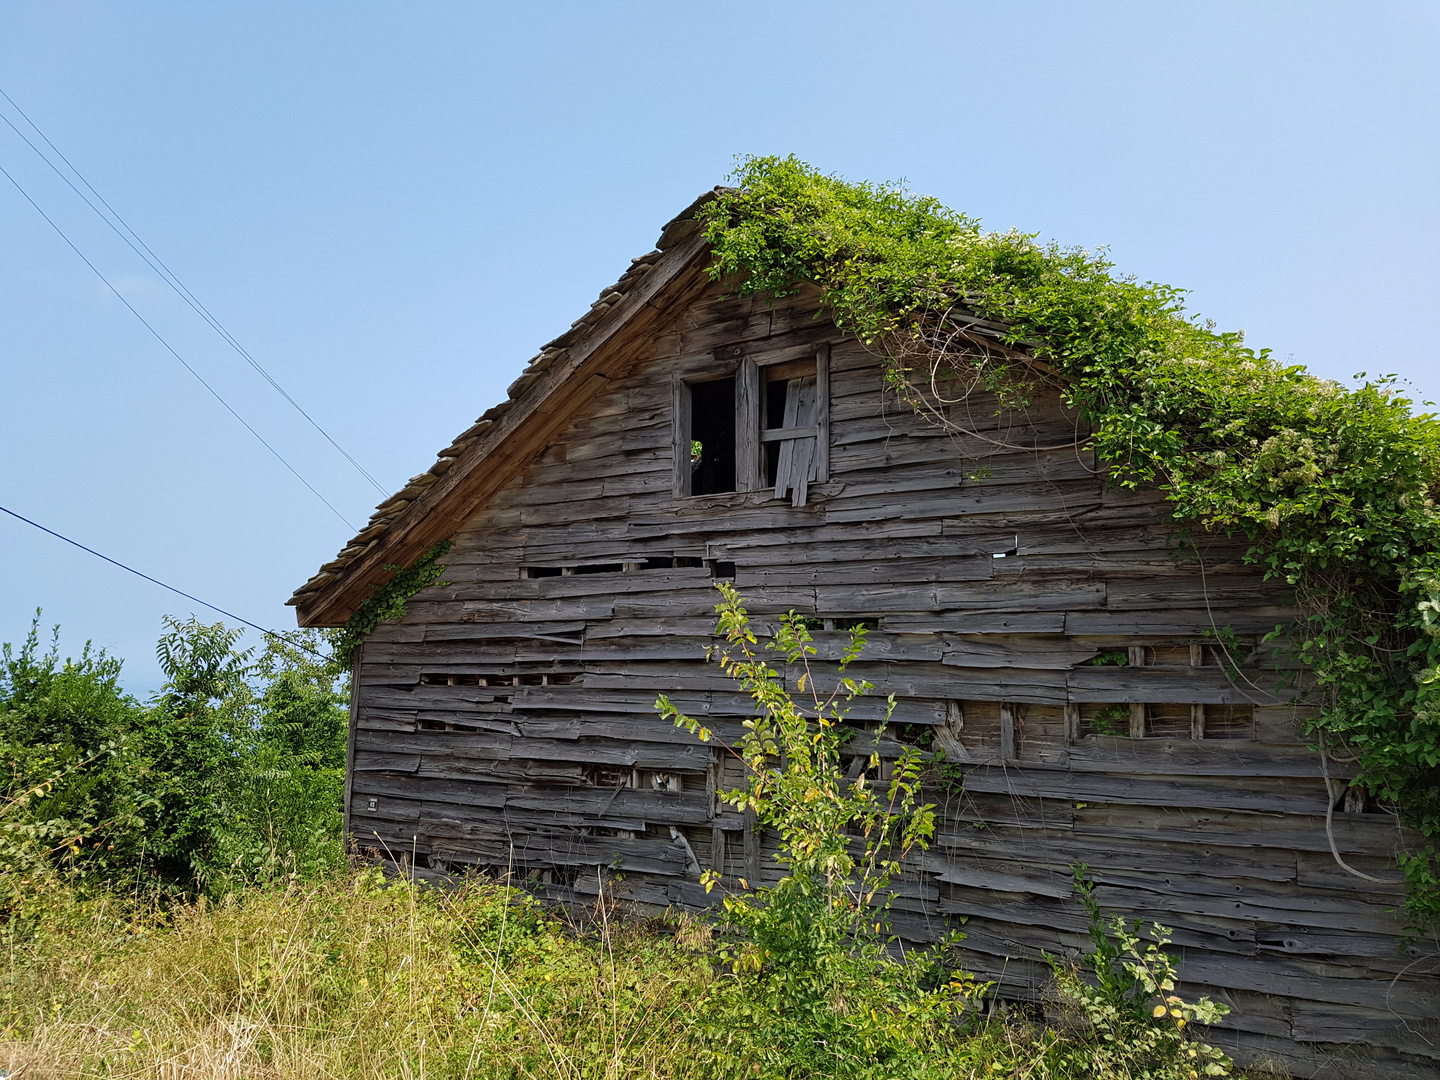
x=1334 y=488
x=1123 y=1015
x=387 y=602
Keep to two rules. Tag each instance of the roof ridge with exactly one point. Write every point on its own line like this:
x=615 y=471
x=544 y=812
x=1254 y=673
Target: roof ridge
x=676 y=231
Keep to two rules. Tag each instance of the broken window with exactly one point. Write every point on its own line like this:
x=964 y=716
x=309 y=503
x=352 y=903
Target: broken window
x=708 y=412
x=790 y=428
x=764 y=427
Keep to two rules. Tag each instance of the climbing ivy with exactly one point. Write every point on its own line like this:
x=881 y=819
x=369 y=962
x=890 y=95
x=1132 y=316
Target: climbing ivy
x=387 y=602
x=1333 y=487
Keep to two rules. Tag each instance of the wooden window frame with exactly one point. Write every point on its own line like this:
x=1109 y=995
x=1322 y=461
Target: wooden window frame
x=749 y=416
x=680 y=426
x=746 y=370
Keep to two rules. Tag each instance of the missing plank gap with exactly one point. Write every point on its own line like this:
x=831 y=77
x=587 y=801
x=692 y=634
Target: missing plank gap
x=1012 y=548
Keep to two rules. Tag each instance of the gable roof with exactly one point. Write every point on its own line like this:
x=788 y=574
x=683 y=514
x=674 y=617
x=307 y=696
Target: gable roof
x=433 y=504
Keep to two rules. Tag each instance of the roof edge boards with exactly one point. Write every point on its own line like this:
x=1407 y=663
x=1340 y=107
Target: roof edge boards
x=426 y=519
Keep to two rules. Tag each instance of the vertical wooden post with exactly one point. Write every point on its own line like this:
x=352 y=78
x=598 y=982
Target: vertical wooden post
x=712 y=811
x=752 y=848
x=1137 y=720
x=680 y=434
x=1007 y=731
x=1197 y=712
x=1137 y=709
x=1197 y=721
x=350 y=742
x=1072 y=722
x=747 y=426
x=822 y=413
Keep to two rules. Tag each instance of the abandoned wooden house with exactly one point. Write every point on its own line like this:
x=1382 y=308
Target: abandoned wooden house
x=1032 y=621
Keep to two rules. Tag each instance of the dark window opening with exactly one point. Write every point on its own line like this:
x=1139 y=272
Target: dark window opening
x=712 y=437
x=530 y=680
x=720 y=569
x=690 y=561
x=658 y=562
x=499 y=680
x=775 y=403
x=542 y=571
x=774 y=418
x=601 y=568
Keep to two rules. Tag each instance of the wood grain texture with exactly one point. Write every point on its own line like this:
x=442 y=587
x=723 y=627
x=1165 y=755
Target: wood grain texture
x=509 y=720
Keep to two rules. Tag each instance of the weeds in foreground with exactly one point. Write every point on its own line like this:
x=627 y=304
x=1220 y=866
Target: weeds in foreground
x=349 y=976
x=356 y=976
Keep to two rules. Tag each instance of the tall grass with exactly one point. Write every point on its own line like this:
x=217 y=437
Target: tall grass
x=350 y=976
x=356 y=976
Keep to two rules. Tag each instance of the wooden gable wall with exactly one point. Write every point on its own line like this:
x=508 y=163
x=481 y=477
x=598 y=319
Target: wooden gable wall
x=507 y=722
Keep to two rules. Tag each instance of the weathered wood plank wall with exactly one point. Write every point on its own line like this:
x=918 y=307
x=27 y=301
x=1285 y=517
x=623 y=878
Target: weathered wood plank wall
x=508 y=721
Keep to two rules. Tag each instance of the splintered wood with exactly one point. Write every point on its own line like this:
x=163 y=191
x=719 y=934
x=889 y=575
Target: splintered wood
x=1035 y=626
x=796 y=436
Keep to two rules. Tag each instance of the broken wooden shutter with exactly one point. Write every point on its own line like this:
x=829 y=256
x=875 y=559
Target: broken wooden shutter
x=803 y=436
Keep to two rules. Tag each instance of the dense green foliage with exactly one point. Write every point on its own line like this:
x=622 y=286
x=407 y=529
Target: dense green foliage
x=813 y=941
x=232 y=773
x=1334 y=488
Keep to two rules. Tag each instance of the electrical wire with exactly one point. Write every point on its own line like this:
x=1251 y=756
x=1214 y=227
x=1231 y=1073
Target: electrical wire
x=214 y=393
x=156 y=581
x=165 y=273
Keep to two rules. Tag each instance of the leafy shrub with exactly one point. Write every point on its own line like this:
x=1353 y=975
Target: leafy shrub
x=813 y=987
x=69 y=776
x=233 y=773
x=1126 y=1021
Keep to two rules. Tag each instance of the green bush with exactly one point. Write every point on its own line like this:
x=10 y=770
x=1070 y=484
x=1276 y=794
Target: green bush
x=1120 y=1008
x=233 y=773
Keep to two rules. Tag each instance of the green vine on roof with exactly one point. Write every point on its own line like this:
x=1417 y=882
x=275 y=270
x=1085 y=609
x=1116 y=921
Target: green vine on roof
x=1334 y=488
x=387 y=602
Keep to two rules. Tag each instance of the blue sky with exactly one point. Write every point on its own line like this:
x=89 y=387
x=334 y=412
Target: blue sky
x=392 y=206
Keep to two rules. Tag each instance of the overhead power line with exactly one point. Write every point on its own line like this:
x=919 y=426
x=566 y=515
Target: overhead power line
x=169 y=348
x=165 y=273
x=156 y=581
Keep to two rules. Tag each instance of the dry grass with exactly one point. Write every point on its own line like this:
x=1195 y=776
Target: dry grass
x=358 y=978
x=344 y=978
